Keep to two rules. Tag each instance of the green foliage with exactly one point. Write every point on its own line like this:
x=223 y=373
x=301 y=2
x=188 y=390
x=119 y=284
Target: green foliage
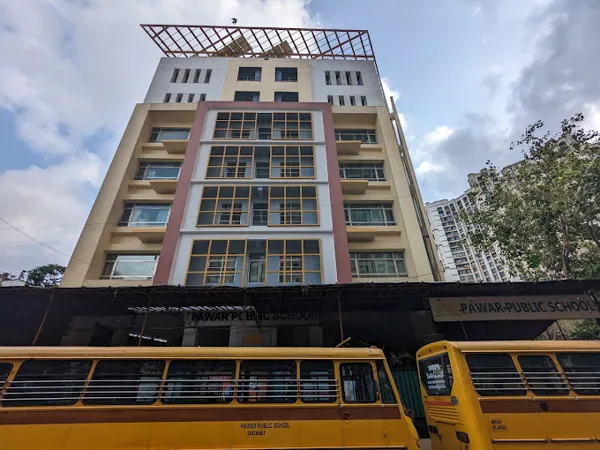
x=544 y=212
x=588 y=330
x=45 y=276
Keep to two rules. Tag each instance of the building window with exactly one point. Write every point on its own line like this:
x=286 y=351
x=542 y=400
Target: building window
x=145 y=215
x=369 y=214
x=260 y=214
x=197 y=75
x=328 y=78
x=167 y=98
x=246 y=96
x=169 y=134
x=249 y=74
x=363 y=100
x=207 y=76
x=286 y=97
x=377 y=264
x=330 y=99
x=175 y=76
x=359 y=79
x=341 y=100
x=270 y=262
x=292 y=162
x=352 y=100
x=338 y=78
x=202 y=97
x=224 y=205
x=349 y=78
x=234 y=125
x=129 y=267
x=286 y=74
x=157 y=171
x=293 y=205
x=186 y=76
x=362 y=171
x=190 y=98
x=230 y=162
x=179 y=98
x=365 y=136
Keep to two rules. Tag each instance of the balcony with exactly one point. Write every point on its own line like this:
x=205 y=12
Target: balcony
x=368 y=233
x=354 y=186
x=172 y=147
x=346 y=148
x=146 y=235
x=163 y=186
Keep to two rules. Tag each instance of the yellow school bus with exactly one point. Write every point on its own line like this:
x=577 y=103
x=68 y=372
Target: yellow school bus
x=533 y=395
x=199 y=398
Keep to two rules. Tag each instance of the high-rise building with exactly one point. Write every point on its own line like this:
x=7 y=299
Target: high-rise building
x=460 y=260
x=260 y=156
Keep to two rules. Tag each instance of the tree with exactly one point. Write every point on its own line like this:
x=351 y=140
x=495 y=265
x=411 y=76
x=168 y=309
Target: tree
x=45 y=276
x=588 y=330
x=544 y=212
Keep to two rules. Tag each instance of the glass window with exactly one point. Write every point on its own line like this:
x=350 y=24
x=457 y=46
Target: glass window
x=292 y=162
x=249 y=73
x=125 y=382
x=377 y=264
x=232 y=125
x=216 y=262
x=179 y=98
x=330 y=99
x=352 y=100
x=293 y=205
x=169 y=134
x=5 y=369
x=358 y=384
x=369 y=214
x=186 y=76
x=542 y=376
x=224 y=205
x=197 y=75
x=327 y=77
x=47 y=383
x=341 y=100
x=338 y=78
x=286 y=74
x=260 y=214
x=436 y=375
x=157 y=171
x=267 y=382
x=362 y=171
x=582 y=370
x=385 y=386
x=286 y=97
x=145 y=215
x=246 y=96
x=494 y=374
x=199 y=382
x=317 y=382
x=167 y=98
x=134 y=267
x=365 y=136
x=233 y=161
x=363 y=100
x=359 y=79
x=207 y=76
x=174 y=75
x=190 y=98
x=293 y=261
x=348 y=78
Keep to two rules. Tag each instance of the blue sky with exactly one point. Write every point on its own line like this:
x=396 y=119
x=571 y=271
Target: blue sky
x=468 y=76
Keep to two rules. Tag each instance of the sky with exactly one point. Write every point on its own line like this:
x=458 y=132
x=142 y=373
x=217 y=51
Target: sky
x=467 y=75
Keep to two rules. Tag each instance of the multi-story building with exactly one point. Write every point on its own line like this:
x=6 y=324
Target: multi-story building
x=258 y=157
x=460 y=260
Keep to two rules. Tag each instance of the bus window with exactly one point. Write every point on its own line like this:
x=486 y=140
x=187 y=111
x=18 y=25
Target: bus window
x=436 y=375
x=387 y=392
x=582 y=371
x=542 y=376
x=199 y=382
x=317 y=382
x=125 y=382
x=47 y=383
x=5 y=369
x=358 y=383
x=267 y=382
x=494 y=374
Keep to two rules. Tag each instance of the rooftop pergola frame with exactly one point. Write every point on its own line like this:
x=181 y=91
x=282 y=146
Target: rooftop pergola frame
x=261 y=42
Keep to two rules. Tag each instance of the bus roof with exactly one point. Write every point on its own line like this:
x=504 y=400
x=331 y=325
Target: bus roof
x=509 y=346
x=191 y=352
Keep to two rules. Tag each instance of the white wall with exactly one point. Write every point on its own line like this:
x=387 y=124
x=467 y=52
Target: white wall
x=324 y=231
x=441 y=241
x=161 y=83
x=370 y=88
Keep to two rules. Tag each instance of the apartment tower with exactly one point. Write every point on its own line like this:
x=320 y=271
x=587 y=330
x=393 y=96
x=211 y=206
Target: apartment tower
x=260 y=156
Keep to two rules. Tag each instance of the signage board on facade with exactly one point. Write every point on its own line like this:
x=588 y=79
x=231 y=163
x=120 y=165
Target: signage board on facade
x=531 y=307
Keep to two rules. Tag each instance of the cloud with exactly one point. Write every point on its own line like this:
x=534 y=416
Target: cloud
x=388 y=90
x=72 y=73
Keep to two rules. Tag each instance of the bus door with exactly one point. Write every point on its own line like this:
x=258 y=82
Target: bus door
x=361 y=412
x=561 y=415
x=509 y=413
x=441 y=410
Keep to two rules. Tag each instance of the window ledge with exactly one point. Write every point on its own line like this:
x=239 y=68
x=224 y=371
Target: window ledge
x=163 y=186
x=146 y=235
x=175 y=147
x=348 y=147
x=365 y=233
x=117 y=282
x=354 y=186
